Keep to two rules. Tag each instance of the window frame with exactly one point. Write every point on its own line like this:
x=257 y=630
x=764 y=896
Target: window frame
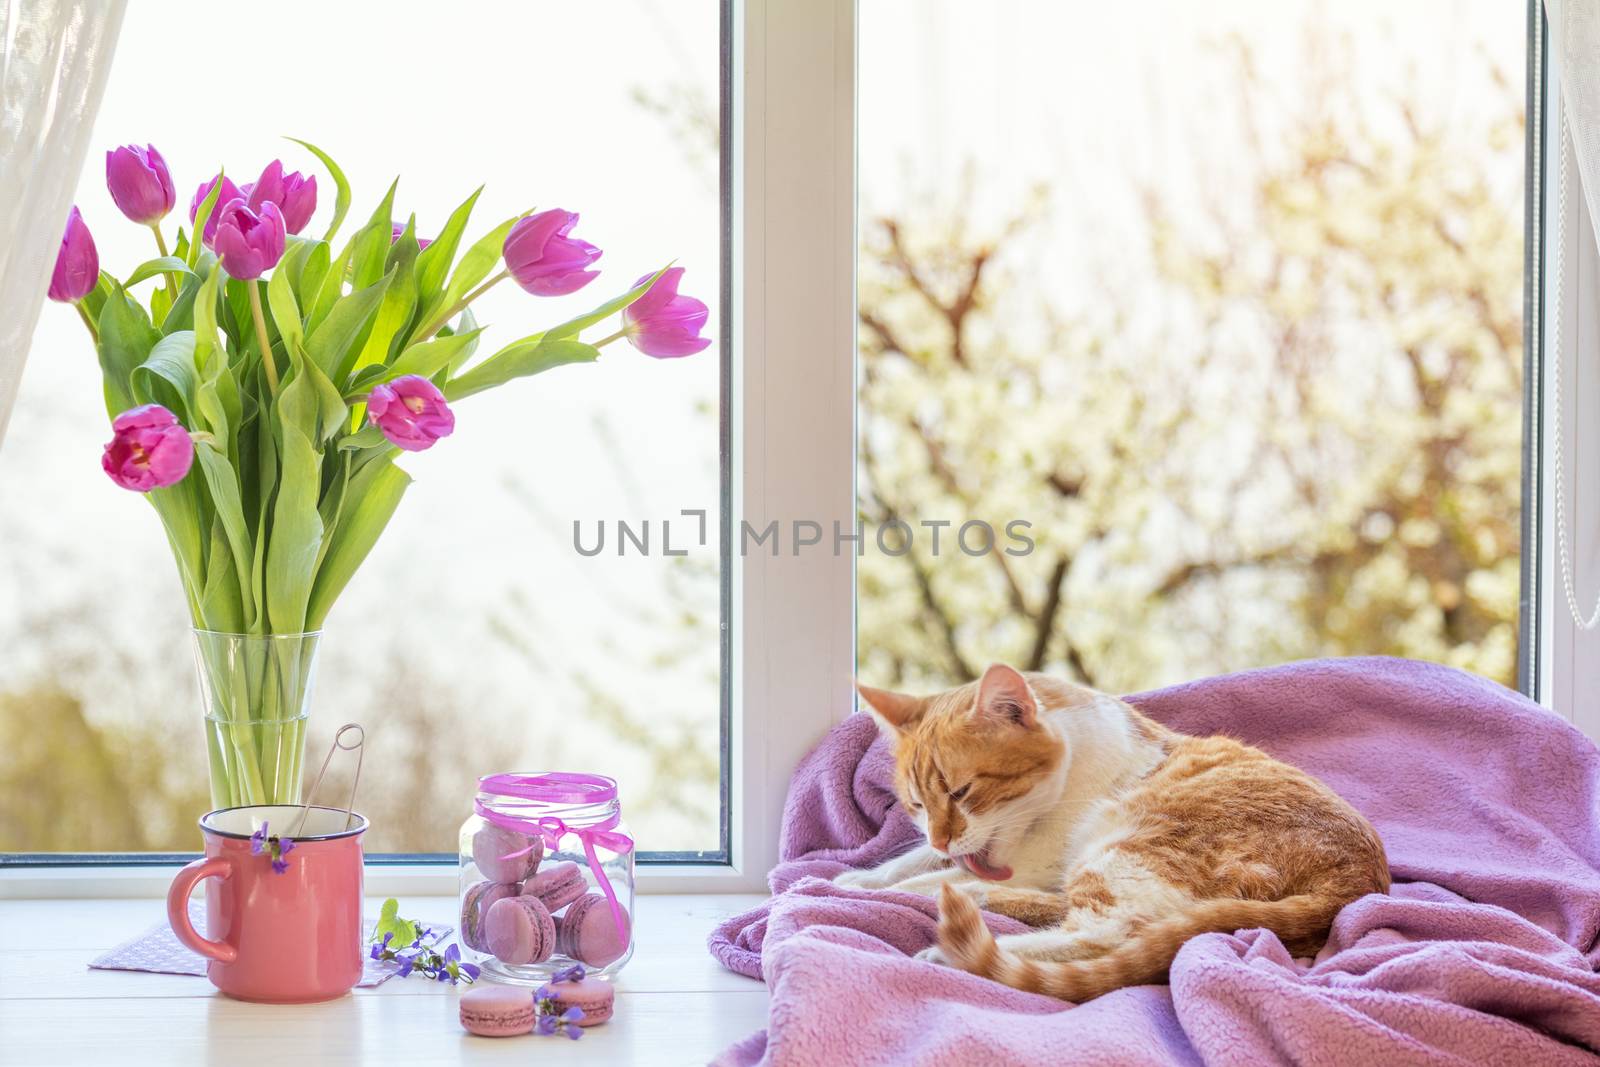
x=788 y=179
x=1564 y=666
x=788 y=333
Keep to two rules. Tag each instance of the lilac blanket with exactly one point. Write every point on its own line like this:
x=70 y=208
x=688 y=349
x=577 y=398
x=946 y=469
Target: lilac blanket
x=1485 y=952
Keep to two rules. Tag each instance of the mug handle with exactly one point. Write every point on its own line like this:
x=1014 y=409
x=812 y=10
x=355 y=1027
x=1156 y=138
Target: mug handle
x=178 y=907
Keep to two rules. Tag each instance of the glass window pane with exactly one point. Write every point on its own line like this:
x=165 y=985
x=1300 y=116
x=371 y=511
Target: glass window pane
x=475 y=638
x=1224 y=300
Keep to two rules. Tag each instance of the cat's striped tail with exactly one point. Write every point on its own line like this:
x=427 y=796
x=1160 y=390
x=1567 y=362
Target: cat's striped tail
x=1144 y=957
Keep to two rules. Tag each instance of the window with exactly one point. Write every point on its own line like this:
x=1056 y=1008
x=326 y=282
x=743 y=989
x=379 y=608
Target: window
x=1242 y=423
x=475 y=638
x=1227 y=306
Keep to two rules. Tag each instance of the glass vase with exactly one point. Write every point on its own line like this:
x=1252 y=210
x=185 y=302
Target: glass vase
x=255 y=690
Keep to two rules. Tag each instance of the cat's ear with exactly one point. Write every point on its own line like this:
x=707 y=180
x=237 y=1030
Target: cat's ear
x=894 y=711
x=1004 y=696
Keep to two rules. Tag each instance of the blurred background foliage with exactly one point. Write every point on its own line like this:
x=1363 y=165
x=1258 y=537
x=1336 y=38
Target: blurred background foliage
x=1299 y=436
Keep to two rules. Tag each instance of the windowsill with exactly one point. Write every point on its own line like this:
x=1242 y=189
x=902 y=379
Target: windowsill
x=674 y=1003
x=384 y=880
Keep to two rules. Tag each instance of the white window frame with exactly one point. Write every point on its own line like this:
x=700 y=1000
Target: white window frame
x=791 y=83
x=792 y=87
x=1569 y=670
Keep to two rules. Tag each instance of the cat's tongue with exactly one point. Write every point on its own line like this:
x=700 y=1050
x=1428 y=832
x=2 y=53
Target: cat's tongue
x=978 y=864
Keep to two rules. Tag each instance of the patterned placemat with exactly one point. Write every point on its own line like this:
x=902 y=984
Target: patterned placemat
x=159 y=950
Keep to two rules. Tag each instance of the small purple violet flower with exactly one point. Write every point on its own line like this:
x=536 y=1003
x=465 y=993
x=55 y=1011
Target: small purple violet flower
x=262 y=843
x=551 y=1021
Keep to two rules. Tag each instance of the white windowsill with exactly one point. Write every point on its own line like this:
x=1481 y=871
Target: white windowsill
x=419 y=879
x=674 y=1003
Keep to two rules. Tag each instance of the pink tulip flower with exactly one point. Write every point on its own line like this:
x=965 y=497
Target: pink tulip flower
x=663 y=324
x=150 y=449
x=395 y=230
x=294 y=193
x=249 y=244
x=229 y=192
x=411 y=412
x=77 y=269
x=544 y=260
x=140 y=183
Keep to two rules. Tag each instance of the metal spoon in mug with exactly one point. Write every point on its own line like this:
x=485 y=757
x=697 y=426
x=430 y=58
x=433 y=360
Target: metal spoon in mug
x=359 y=746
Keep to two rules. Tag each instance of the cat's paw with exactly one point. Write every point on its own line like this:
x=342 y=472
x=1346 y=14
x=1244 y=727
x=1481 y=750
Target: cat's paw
x=858 y=880
x=934 y=954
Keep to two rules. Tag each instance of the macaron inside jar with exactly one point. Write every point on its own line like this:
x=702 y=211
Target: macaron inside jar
x=519 y=930
x=475 y=905
x=590 y=933
x=556 y=886
x=503 y=855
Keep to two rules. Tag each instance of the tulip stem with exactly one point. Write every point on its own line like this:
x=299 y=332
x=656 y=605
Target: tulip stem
x=607 y=340
x=439 y=321
x=261 y=336
x=172 y=278
x=83 y=313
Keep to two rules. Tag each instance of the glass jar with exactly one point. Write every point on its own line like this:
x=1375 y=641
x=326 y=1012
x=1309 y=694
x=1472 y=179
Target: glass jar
x=546 y=877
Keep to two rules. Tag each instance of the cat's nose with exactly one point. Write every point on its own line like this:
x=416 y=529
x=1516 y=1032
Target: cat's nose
x=940 y=842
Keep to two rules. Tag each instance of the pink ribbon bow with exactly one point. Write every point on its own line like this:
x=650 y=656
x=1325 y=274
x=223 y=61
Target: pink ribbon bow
x=560 y=787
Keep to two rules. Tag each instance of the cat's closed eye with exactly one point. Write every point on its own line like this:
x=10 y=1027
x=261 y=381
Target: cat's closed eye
x=959 y=793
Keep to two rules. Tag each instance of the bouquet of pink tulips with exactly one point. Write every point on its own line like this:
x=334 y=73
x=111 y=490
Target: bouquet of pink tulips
x=261 y=392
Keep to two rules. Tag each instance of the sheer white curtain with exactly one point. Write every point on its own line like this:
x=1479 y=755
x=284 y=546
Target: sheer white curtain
x=1574 y=38
x=54 y=58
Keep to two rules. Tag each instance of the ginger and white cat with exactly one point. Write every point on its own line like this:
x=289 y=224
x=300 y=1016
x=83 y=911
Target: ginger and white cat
x=1116 y=838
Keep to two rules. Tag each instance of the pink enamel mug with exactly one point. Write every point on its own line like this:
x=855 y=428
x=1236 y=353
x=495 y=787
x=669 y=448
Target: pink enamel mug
x=288 y=936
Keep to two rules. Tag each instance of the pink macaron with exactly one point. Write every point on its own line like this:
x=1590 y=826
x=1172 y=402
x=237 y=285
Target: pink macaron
x=556 y=886
x=475 y=905
x=595 y=998
x=519 y=930
x=505 y=856
x=497 y=1011
x=589 y=933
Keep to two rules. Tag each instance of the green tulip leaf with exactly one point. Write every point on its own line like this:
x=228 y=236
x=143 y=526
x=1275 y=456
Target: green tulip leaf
x=126 y=338
x=473 y=268
x=223 y=483
x=394 y=315
x=572 y=327
x=331 y=291
x=341 y=186
x=179 y=508
x=521 y=359
x=220 y=607
x=181 y=315
x=350 y=316
x=311 y=275
x=429 y=357
x=168 y=376
x=369 y=436
x=285 y=312
x=152 y=267
x=433 y=265
x=370 y=501
x=296 y=525
x=468 y=323
x=205 y=319
x=202 y=216
x=370 y=246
